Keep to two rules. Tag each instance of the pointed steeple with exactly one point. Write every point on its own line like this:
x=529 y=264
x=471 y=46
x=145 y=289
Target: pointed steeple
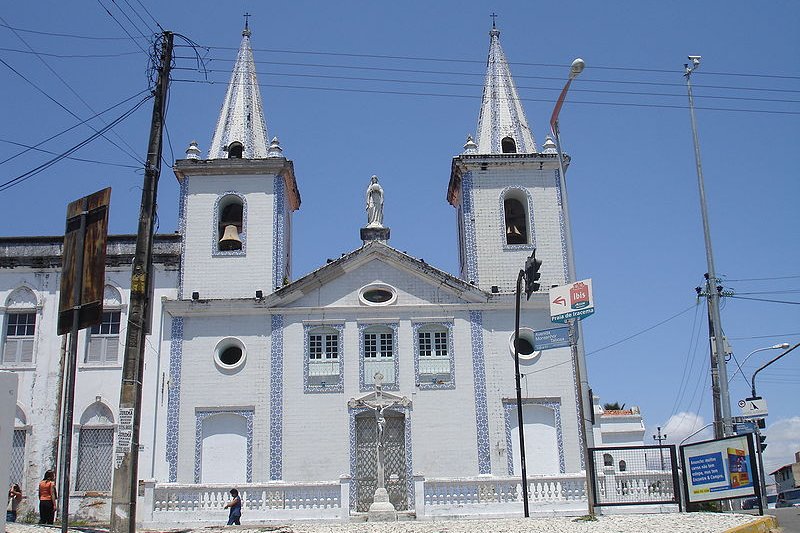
x=502 y=126
x=241 y=120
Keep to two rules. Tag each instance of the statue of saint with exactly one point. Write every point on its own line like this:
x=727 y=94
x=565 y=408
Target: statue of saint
x=374 y=204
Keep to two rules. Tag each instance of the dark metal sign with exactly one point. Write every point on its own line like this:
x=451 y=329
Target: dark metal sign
x=84 y=258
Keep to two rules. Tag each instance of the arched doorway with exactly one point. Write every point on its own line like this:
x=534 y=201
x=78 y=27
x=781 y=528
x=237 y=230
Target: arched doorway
x=223 y=449
x=542 y=454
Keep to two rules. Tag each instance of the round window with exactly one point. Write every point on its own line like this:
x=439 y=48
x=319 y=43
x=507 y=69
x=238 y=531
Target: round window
x=230 y=353
x=377 y=295
x=525 y=345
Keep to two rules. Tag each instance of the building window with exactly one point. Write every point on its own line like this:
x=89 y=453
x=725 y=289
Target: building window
x=229 y=222
x=235 y=150
x=377 y=294
x=378 y=355
x=608 y=460
x=95 y=450
x=103 y=344
x=434 y=356
x=323 y=365
x=20 y=329
x=16 y=464
x=622 y=466
x=508 y=145
x=516 y=225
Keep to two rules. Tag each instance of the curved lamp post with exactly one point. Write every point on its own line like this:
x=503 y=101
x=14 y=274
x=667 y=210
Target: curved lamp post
x=781 y=346
x=575 y=69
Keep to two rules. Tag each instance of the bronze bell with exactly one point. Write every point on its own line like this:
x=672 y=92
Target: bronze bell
x=230 y=239
x=514 y=235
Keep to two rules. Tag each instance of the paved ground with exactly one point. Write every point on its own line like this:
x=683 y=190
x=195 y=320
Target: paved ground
x=666 y=523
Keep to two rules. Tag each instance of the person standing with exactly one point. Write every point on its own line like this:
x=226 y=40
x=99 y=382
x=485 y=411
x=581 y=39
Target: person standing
x=235 y=506
x=14 y=498
x=48 y=502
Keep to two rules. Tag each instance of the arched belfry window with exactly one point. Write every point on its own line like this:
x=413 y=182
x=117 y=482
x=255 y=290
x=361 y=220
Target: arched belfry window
x=508 y=145
x=235 y=150
x=516 y=220
x=231 y=223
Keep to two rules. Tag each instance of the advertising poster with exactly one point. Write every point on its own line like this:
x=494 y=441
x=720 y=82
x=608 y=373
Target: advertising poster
x=719 y=469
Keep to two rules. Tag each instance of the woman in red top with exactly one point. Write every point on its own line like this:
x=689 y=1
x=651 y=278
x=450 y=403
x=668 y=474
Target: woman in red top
x=47 y=498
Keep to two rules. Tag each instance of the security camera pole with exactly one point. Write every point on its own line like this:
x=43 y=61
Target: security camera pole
x=126 y=456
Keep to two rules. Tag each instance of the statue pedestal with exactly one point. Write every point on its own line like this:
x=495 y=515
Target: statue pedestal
x=374 y=234
x=381 y=509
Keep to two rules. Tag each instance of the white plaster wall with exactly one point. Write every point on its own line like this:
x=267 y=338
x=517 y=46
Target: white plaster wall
x=228 y=276
x=499 y=266
x=39 y=384
x=207 y=387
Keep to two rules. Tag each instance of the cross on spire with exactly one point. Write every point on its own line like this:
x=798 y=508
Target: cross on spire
x=494 y=17
x=246 y=31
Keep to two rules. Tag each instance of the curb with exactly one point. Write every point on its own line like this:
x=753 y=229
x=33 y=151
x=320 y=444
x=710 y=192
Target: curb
x=763 y=524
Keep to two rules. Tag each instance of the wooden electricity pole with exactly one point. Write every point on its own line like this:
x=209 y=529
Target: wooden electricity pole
x=126 y=456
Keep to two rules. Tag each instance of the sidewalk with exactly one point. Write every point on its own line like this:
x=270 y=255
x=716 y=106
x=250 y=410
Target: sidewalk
x=651 y=523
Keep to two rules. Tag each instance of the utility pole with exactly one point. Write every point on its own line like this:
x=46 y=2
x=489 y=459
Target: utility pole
x=126 y=459
x=719 y=372
x=660 y=438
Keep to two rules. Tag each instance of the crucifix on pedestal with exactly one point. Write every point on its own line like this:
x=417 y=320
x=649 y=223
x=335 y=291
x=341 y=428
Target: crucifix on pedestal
x=378 y=402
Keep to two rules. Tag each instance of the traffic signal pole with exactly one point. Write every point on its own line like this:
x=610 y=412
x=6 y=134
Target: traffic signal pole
x=126 y=457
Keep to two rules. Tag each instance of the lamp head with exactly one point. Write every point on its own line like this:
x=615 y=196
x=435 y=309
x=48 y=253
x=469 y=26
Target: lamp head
x=695 y=61
x=576 y=68
x=781 y=346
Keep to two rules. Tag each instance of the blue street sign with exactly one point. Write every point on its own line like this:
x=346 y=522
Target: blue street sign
x=546 y=339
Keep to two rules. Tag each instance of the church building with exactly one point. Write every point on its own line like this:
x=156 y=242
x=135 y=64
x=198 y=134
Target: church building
x=266 y=381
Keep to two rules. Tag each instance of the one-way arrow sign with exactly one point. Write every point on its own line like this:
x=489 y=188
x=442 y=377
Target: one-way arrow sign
x=755 y=407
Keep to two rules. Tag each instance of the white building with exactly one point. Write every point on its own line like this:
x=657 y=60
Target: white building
x=251 y=374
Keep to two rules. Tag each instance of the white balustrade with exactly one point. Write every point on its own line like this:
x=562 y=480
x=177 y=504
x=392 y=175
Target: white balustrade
x=434 y=364
x=323 y=367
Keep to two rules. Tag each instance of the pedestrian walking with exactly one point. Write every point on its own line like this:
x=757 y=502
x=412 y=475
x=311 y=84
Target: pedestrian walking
x=235 y=506
x=48 y=502
x=14 y=498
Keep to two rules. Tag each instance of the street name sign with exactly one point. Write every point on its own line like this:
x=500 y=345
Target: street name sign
x=571 y=302
x=547 y=339
x=755 y=407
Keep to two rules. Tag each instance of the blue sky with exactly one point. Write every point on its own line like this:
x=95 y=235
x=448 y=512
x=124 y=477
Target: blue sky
x=632 y=185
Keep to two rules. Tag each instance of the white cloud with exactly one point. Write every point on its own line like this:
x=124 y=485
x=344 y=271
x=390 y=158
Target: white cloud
x=783 y=440
x=680 y=426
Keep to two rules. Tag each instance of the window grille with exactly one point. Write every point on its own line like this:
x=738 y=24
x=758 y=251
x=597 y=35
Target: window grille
x=378 y=345
x=95 y=452
x=16 y=467
x=20 y=329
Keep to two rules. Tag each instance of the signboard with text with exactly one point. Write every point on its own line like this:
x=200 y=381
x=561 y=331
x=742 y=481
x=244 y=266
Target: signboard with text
x=720 y=469
x=547 y=339
x=571 y=302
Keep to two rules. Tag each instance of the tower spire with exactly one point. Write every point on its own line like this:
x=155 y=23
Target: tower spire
x=241 y=119
x=502 y=126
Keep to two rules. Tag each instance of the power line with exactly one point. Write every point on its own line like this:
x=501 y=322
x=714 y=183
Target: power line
x=126 y=100
x=29 y=174
x=70 y=56
x=67 y=35
x=764 y=300
x=762 y=279
x=134 y=39
x=559 y=79
x=779 y=335
x=74 y=92
x=457 y=84
x=442 y=95
x=71 y=158
x=676 y=315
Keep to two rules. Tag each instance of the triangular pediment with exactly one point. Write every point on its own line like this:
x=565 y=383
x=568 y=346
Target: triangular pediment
x=343 y=282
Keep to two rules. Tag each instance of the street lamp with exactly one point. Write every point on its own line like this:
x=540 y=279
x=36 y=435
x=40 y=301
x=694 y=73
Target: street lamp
x=660 y=438
x=781 y=346
x=719 y=372
x=575 y=69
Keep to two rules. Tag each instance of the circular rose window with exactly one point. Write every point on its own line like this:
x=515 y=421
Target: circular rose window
x=525 y=345
x=377 y=295
x=230 y=353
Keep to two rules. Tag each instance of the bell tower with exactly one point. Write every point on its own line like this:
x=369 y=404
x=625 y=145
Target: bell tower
x=236 y=205
x=505 y=191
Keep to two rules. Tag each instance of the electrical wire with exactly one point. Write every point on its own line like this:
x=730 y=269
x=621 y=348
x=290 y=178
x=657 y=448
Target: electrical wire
x=457 y=84
x=29 y=174
x=134 y=39
x=764 y=300
x=67 y=35
x=70 y=56
x=126 y=100
x=442 y=95
x=71 y=158
x=763 y=279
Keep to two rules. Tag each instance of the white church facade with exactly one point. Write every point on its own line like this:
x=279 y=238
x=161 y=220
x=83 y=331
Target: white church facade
x=254 y=379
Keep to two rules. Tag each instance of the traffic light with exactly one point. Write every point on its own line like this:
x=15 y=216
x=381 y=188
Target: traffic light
x=761 y=443
x=532 y=274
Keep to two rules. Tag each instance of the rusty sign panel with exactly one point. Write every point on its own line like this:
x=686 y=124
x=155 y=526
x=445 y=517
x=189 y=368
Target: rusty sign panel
x=88 y=246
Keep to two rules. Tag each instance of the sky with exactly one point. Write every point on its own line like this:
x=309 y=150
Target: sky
x=356 y=88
